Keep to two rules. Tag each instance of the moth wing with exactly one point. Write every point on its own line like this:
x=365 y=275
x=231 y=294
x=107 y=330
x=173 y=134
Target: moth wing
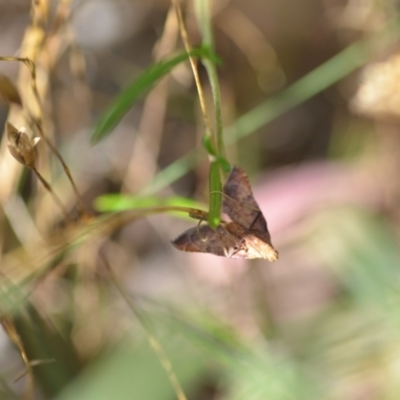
x=203 y=239
x=251 y=244
x=239 y=202
x=259 y=246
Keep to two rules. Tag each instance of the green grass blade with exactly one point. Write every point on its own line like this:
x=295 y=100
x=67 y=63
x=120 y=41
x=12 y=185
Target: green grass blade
x=125 y=100
x=328 y=73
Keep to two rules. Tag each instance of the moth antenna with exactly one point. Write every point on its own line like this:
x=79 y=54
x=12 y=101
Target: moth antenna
x=202 y=217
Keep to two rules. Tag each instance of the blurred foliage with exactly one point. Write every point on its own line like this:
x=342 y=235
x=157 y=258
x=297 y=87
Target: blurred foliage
x=102 y=306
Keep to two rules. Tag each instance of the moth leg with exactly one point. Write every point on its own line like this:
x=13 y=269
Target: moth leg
x=226 y=252
x=201 y=216
x=238 y=247
x=230 y=254
x=198 y=214
x=202 y=238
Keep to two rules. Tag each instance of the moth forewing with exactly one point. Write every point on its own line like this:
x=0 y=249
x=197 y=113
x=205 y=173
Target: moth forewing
x=239 y=203
x=203 y=239
x=258 y=248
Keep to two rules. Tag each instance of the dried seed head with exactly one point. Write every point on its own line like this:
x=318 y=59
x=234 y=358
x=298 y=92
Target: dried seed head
x=20 y=146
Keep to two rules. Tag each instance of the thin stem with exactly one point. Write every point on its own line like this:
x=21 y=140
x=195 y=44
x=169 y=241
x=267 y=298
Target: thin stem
x=50 y=190
x=12 y=333
x=203 y=15
x=215 y=184
x=188 y=48
x=81 y=206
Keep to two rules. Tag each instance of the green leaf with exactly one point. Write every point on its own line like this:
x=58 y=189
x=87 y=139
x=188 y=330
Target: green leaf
x=215 y=195
x=208 y=144
x=125 y=100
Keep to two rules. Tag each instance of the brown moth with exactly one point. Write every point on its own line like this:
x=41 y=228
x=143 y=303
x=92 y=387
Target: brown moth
x=246 y=236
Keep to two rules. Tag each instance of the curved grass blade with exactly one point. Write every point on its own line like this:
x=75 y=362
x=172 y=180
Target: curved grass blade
x=125 y=100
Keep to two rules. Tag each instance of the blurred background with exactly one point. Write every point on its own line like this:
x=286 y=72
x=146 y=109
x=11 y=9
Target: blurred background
x=321 y=148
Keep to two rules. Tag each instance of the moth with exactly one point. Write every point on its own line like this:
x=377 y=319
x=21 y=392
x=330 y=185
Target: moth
x=245 y=236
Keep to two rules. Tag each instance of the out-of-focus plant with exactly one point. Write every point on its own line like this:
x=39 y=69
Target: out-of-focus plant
x=82 y=331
